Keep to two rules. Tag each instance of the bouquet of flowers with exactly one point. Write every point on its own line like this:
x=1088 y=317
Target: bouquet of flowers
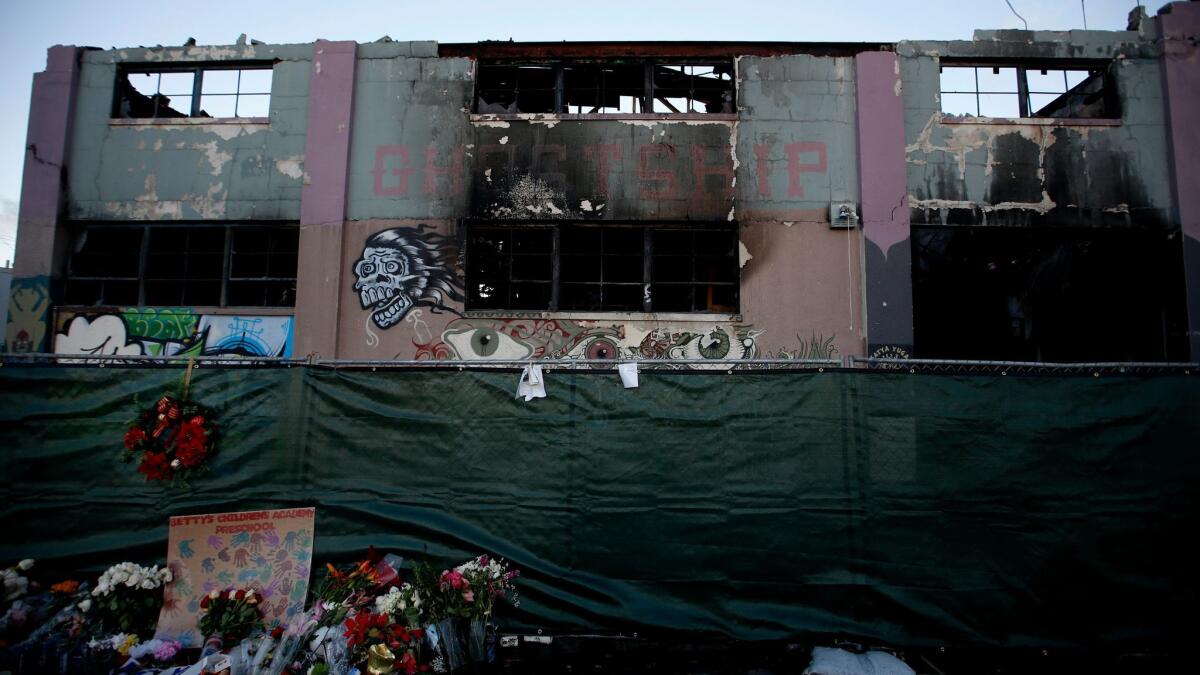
x=481 y=582
x=162 y=651
x=232 y=614
x=385 y=646
x=16 y=583
x=342 y=590
x=128 y=596
x=401 y=603
x=173 y=440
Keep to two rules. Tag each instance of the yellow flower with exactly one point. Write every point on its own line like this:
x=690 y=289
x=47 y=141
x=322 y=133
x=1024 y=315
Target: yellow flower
x=130 y=641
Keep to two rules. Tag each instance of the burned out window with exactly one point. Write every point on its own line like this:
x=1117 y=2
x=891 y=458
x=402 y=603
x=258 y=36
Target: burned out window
x=1008 y=90
x=602 y=268
x=605 y=87
x=202 y=91
x=175 y=265
x=1048 y=294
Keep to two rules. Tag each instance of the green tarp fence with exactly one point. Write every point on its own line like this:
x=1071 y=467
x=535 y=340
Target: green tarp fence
x=912 y=509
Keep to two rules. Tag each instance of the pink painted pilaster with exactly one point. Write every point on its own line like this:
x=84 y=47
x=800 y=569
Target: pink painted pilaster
x=323 y=198
x=1181 y=74
x=883 y=182
x=41 y=241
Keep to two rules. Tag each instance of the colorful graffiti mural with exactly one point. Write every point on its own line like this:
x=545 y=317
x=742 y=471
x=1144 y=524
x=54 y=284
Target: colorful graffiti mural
x=28 y=310
x=402 y=268
x=170 y=331
x=518 y=339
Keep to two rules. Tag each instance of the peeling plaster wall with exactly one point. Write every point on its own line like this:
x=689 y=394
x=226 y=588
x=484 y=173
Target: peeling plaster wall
x=409 y=150
x=189 y=169
x=1022 y=173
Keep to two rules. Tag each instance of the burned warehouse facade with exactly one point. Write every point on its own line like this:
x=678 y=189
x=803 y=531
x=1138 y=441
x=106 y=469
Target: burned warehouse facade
x=1021 y=196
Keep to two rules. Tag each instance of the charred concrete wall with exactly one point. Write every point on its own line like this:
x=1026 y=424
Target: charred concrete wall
x=1088 y=173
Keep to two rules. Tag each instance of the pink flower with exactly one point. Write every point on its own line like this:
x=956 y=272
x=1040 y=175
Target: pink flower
x=483 y=560
x=454 y=579
x=469 y=595
x=166 y=651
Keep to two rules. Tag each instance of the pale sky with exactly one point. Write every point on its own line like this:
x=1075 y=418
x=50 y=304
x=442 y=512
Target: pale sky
x=28 y=27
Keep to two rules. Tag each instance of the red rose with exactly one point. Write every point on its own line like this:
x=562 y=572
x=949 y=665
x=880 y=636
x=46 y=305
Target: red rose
x=241 y=595
x=190 y=457
x=204 y=602
x=156 y=466
x=191 y=436
x=134 y=436
x=198 y=420
x=277 y=633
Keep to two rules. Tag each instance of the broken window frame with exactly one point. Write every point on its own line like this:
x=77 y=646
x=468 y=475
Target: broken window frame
x=1111 y=101
x=197 y=94
x=228 y=280
x=645 y=286
x=645 y=101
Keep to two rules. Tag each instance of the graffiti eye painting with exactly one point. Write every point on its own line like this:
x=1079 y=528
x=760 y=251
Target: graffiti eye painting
x=402 y=268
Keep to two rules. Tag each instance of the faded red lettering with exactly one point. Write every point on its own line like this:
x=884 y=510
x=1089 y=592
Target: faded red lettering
x=701 y=170
x=646 y=174
x=454 y=171
x=762 y=169
x=400 y=189
x=600 y=153
x=795 y=168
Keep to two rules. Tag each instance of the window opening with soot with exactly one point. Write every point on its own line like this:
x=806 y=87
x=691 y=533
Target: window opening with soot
x=170 y=265
x=606 y=87
x=587 y=268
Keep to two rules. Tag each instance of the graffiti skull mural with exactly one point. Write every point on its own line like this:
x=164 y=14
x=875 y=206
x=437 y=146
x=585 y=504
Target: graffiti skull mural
x=402 y=268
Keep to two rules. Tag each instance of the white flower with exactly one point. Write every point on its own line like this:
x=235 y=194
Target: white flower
x=318 y=638
x=134 y=580
x=165 y=575
x=175 y=464
x=26 y=564
x=149 y=585
x=86 y=605
x=214 y=594
x=233 y=595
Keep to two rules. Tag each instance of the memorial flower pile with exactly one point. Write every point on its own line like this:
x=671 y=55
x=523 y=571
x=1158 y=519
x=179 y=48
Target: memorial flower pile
x=362 y=616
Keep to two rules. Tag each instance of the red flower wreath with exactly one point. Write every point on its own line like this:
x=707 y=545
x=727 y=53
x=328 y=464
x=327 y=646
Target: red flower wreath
x=174 y=440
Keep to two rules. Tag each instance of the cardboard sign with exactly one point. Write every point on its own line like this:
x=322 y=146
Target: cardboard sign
x=270 y=551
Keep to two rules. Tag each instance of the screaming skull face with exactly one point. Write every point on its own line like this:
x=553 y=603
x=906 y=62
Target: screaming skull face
x=386 y=282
